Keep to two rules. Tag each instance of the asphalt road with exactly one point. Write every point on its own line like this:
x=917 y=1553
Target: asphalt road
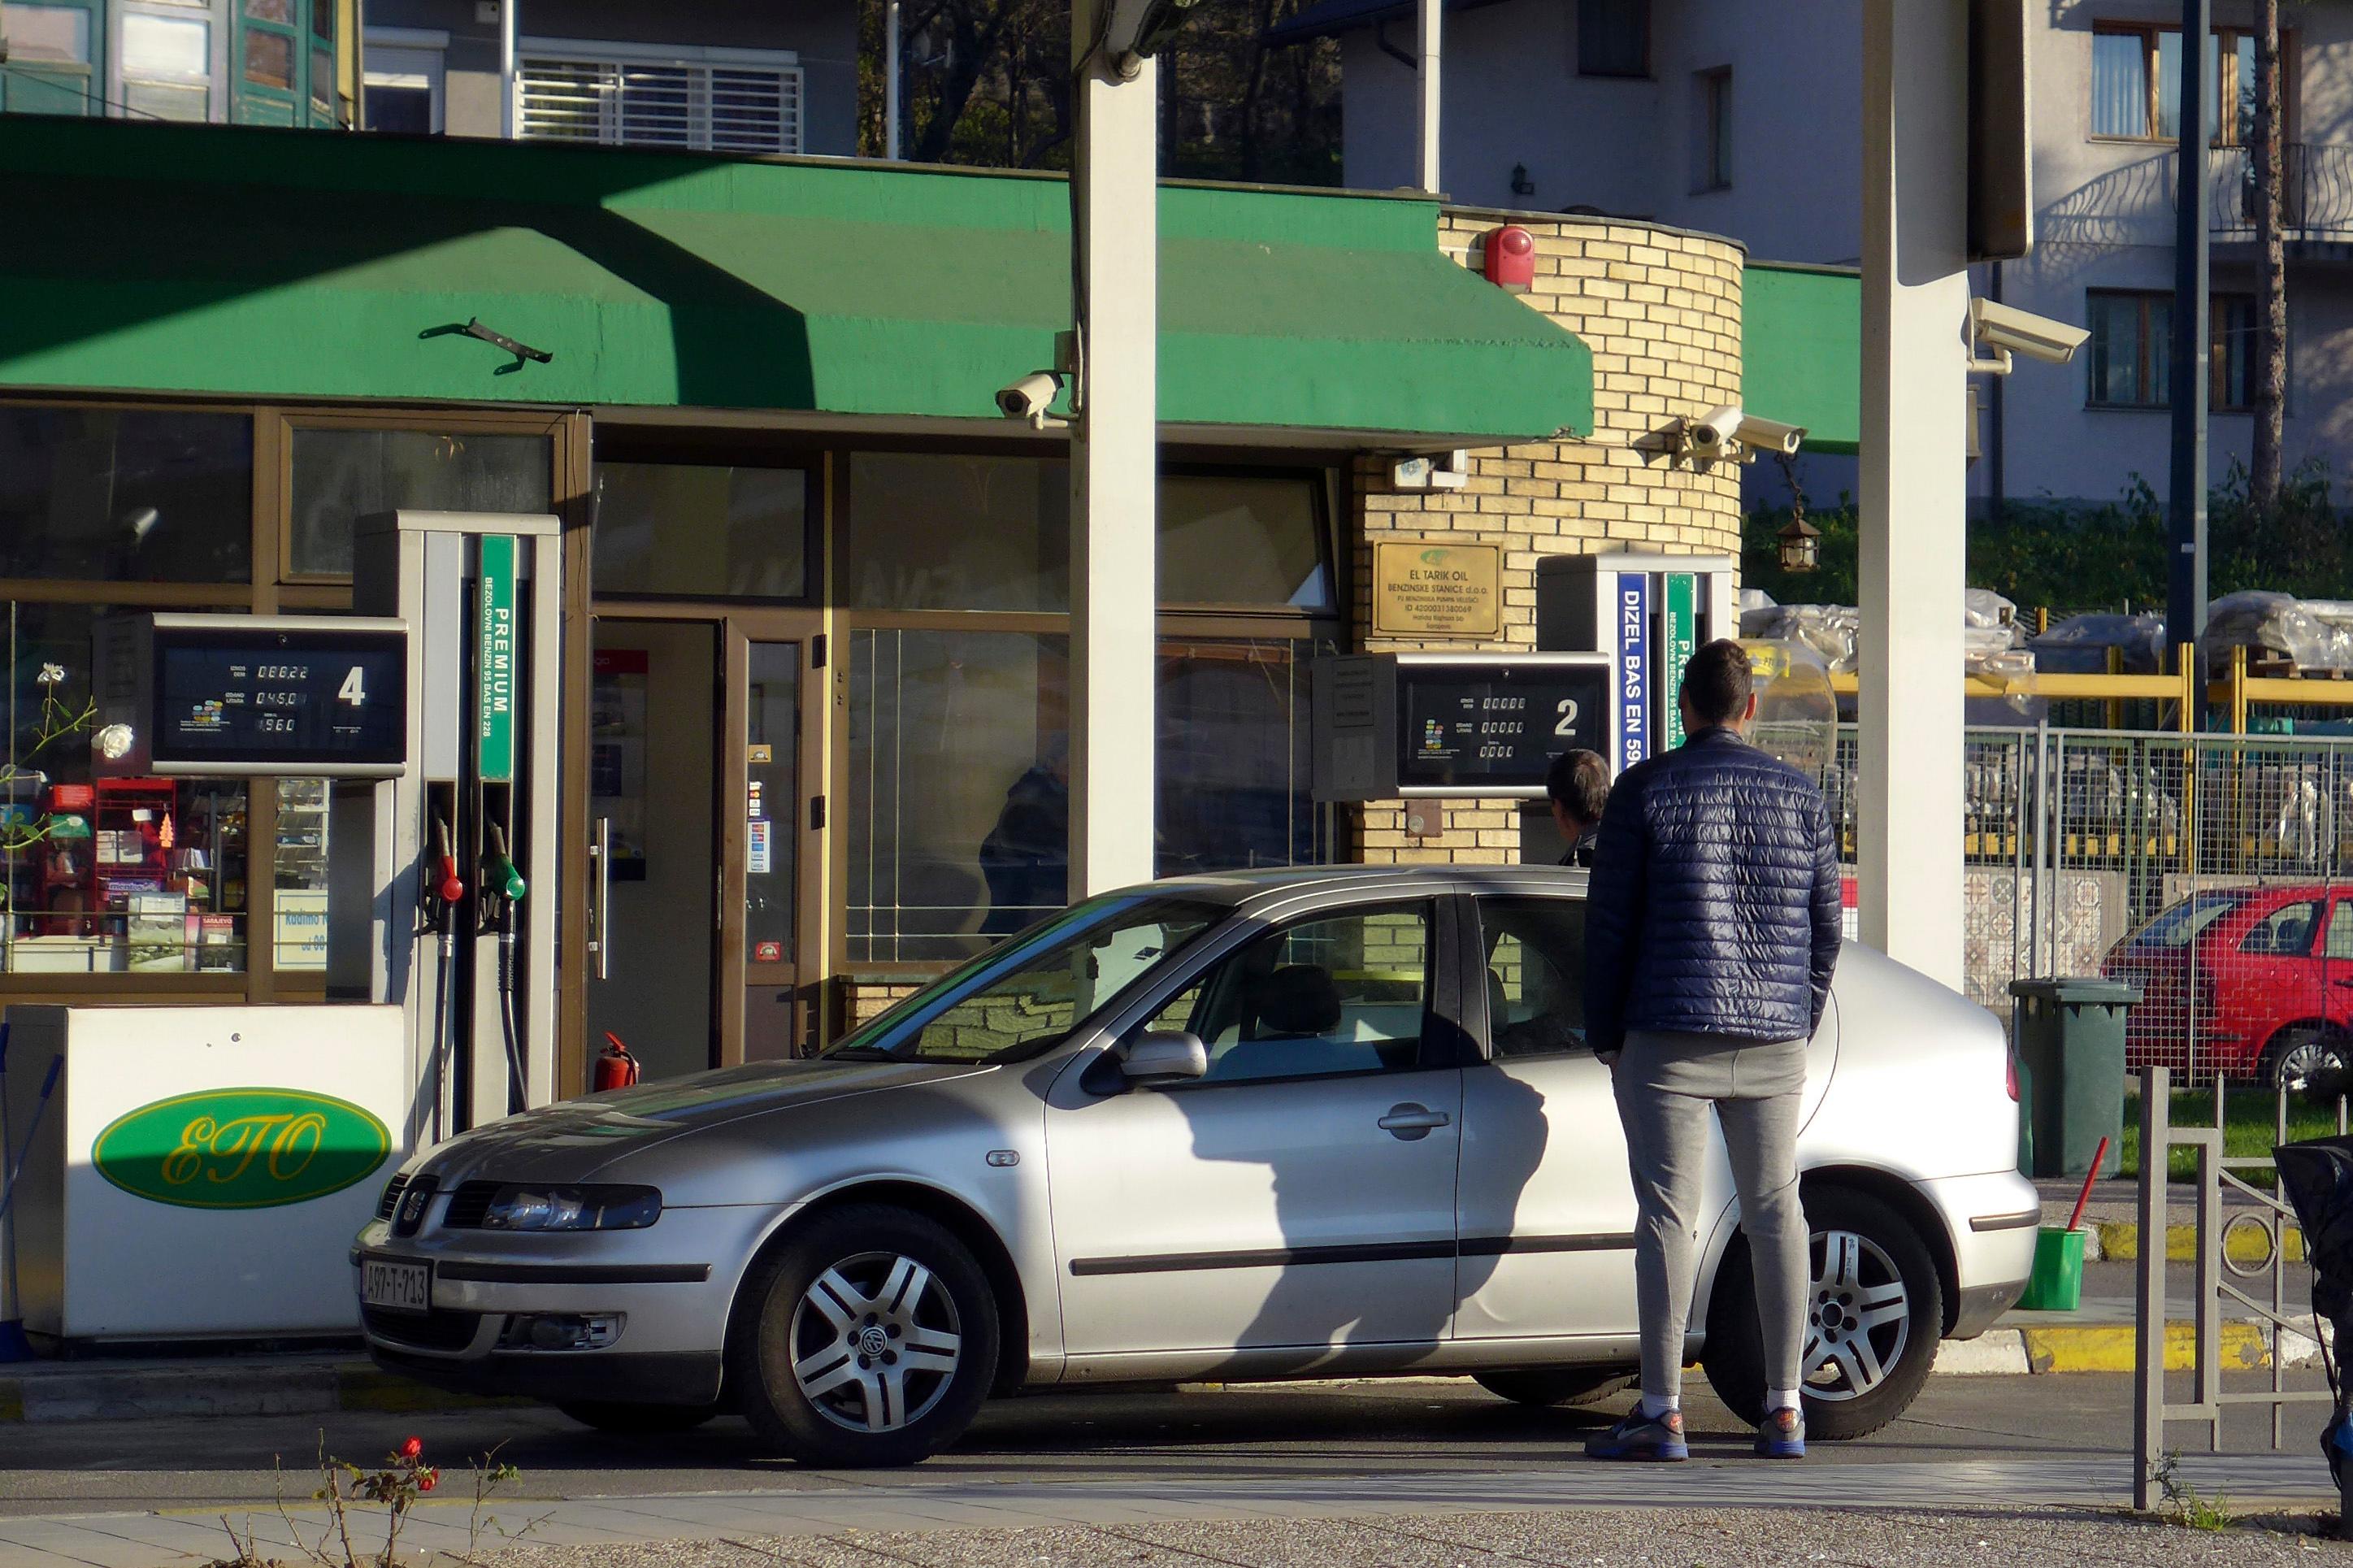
x=1267 y=1434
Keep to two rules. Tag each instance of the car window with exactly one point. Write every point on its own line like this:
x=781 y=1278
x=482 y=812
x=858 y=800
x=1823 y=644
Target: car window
x=1347 y=992
x=1535 y=974
x=2340 y=929
x=2180 y=925
x=2285 y=933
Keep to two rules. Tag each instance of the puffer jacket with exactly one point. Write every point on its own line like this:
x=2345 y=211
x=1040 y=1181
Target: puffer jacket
x=1714 y=905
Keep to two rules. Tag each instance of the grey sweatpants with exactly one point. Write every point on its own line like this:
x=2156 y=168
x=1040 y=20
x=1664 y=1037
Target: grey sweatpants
x=1665 y=1084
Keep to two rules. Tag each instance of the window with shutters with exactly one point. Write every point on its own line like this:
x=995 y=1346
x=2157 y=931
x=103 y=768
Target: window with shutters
x=714 y=100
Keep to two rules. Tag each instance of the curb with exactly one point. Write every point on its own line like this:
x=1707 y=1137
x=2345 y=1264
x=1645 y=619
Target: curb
x=2250 y=1244
x=94 y=1393
x=2113 y=1348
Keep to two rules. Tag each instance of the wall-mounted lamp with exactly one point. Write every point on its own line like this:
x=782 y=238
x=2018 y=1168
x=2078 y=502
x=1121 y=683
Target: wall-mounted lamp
x=1521 y=184
x=1800 y=545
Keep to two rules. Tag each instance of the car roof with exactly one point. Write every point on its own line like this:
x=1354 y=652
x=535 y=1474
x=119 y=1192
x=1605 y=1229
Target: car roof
x=1286 y=885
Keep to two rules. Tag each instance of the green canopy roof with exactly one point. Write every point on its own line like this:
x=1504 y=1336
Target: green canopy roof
x=1801 y=350
x=257 y=262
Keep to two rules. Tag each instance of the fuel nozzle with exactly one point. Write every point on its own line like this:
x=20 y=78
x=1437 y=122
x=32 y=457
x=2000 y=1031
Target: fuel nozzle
x=499 y=873
x=452 y=886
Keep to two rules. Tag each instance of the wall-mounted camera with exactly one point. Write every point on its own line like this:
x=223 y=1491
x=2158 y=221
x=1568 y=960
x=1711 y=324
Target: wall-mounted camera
x=1031 y=397
x=1999 y=331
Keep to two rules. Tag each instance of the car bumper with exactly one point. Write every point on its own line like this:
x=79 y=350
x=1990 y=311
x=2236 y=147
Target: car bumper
x=1992 y=1219
x=667 y=1290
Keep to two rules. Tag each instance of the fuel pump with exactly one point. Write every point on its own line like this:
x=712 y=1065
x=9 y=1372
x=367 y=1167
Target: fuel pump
x=444 y=923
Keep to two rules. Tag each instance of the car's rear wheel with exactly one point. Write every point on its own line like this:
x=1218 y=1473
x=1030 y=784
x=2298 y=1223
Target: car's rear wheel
x=866 y=1338
x=2307 y=1059
x=1553 y=1386
x=639 y=1420
x=1875 y=1311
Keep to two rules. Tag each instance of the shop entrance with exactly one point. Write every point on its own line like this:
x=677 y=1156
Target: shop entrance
x=704 y=819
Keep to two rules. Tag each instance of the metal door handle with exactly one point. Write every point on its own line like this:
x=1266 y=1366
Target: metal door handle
x=600 y=885
x=1410 y=1122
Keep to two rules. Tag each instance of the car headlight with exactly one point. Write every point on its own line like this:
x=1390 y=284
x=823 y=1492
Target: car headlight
x=525 y=1208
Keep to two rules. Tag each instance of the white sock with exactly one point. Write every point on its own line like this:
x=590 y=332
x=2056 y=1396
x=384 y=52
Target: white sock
x=1657 y=1404
x=1781 y=1399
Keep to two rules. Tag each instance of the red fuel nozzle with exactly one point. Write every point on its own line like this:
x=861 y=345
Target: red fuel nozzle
x=453 y=887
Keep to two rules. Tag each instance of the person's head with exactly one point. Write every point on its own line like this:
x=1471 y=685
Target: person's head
x=1717 y=691
x=1579 y=784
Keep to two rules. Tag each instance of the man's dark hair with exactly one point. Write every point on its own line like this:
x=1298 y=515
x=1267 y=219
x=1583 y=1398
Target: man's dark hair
x=1579 y=780
x=1716 y=683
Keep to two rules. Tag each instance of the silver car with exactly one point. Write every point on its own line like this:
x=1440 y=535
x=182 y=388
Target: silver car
x=1262 y=1126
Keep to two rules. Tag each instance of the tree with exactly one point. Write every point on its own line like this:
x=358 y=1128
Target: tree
x=2270 y=369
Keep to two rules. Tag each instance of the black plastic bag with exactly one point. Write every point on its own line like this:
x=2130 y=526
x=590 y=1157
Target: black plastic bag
x=2317 y=1174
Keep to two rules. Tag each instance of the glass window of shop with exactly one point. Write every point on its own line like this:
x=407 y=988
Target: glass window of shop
x=958 y=740
x=340 y=474
x=701 y=529
x=126 y=496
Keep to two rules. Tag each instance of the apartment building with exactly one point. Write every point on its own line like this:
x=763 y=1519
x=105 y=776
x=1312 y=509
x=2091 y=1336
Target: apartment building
x=1745 y=121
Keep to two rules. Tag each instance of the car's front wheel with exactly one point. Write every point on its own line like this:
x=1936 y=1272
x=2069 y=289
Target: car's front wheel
x=868 y=1338
x=1874 y=1312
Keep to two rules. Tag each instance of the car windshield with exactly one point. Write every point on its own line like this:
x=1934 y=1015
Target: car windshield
x=1020 y=996
x=2180 y=925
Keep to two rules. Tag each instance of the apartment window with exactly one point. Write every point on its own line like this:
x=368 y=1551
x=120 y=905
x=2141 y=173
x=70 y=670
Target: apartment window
x=1613 y=38
x=2136 y=83
x=405 y=68
x=48 y=59
x=712 y=101
x=2132 y=349
x=1711 y=129
x=166 y=63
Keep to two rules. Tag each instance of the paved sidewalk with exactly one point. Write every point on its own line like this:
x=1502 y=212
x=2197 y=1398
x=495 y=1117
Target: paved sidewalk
x=171 y=1540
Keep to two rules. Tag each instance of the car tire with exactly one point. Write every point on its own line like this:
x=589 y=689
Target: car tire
x=1553 y=1386
x=639 y=1420
x=2307 y=1059
x=866 y=1338
x=1860 y=1378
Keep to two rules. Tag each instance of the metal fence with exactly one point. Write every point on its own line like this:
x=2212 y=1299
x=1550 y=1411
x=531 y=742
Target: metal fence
x=2215 y=871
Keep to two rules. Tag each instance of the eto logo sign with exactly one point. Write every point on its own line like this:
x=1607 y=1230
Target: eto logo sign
x=241 y=1148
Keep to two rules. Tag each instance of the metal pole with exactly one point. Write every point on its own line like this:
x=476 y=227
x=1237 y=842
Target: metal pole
x=510 y=116
x=891 y=84
x=2038 y=905
x=2148 y=1357
x=1426 y=56
x=2185 y=605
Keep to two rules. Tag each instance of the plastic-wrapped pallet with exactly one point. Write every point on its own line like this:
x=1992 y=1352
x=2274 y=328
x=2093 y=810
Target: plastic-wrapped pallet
x=1830 y=630
x=2079 y=645
x=2280 y=624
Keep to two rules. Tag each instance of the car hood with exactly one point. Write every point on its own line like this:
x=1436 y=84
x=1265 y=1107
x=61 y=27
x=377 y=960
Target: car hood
x=577 y=1139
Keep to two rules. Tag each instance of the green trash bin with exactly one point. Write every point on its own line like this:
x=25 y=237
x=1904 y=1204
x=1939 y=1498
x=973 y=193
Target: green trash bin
x=2070 y=1072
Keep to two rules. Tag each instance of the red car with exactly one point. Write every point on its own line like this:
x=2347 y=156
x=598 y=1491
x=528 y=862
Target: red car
x=2251 y=981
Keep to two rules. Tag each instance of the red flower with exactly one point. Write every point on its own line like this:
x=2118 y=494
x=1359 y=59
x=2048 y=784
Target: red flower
x=429 y=1480
x=410 y=1448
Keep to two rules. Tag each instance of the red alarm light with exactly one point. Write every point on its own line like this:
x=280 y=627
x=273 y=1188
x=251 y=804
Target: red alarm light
x=1511 y=257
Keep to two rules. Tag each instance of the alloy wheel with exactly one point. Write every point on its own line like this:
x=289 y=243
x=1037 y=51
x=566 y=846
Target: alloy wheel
x=1859 y=1318
x=2312 y=1064
x=876 y=1341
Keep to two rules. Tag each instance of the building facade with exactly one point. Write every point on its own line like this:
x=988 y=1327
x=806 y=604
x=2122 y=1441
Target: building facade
x=236 y=62
x=1688 y=112
x=807 y=563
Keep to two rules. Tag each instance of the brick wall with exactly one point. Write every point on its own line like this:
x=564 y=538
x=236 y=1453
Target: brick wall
x=1661 y=310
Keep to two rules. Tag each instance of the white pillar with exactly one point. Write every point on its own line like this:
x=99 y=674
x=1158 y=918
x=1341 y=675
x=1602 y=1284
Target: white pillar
x=1427 y=55
x=1115 y=468
x=1913 y=557
x=891 y=70
x=509 y=89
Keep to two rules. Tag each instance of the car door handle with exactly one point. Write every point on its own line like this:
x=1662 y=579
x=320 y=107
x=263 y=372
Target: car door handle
x=1410 y=1122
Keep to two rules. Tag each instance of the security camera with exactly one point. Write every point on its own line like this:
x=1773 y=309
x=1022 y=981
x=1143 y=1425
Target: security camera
x=1029 y=397
x=2005 y=329
x=1135 y=30
x=1758 y=436
x=1711 y=435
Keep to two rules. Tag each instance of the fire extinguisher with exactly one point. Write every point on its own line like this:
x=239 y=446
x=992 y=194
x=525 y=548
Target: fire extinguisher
x=615 y=1067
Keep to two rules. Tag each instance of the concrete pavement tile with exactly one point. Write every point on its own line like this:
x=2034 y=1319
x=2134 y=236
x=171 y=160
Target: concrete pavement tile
x=31 y=1540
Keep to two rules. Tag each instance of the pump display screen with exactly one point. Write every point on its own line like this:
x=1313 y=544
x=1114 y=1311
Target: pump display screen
x=1496 y=726
x=280 y=700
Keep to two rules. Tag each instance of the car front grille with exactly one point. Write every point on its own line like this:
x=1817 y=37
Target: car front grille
x=391 y=1199
x=439 y=1329
x=469 y=1205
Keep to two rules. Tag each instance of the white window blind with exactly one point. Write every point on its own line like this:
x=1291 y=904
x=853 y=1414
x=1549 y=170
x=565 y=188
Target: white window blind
x=584 y=94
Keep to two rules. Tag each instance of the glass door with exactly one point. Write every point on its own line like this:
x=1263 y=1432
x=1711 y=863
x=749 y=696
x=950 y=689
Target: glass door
x=774 y=841
x=653 y=794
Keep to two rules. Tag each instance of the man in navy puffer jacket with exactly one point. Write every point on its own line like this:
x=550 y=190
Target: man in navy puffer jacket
x=1712 y=927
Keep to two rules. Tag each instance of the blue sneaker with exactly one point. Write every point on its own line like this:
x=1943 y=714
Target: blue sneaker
x=1782 y=1435
x=1656 y=1439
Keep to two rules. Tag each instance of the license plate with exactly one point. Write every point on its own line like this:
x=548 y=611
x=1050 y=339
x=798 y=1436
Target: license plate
x=399 y=1287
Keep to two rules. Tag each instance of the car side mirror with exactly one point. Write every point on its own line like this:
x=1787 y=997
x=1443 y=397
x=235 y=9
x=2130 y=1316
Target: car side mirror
x=1165 y=1058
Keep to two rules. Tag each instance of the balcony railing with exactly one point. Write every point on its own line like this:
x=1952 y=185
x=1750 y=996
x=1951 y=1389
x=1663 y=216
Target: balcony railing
x=2315 y=191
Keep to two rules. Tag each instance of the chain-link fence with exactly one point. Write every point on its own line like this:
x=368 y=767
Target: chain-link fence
x=2215 y=871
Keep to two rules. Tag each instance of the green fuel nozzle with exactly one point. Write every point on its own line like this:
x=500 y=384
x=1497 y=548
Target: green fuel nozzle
x=499 y=871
